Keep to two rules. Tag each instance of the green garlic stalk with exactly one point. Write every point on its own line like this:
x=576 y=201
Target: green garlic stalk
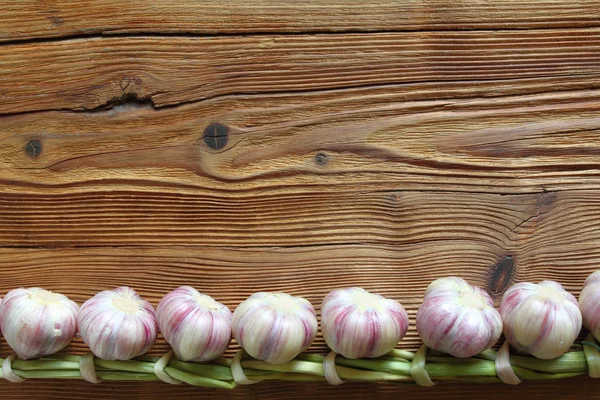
x=398 y=366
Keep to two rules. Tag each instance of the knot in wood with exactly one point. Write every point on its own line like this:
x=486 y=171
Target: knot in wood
x=501 y=275
x=321 y=158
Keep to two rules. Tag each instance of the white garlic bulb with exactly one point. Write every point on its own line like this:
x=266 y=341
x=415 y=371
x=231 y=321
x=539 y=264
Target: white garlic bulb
x=457 y=318
x=274 y=327
x=196 y=326
x=117 y=324
x=37 y=322
x=540 y=319
x=356 y=323
x=589 y=304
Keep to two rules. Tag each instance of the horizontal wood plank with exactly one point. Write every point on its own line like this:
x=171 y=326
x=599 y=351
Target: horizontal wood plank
x=400 y=272
x=230 y=275
x=89 y=73
x=28 y=19
x=379 y=145
x=349 y=141
x=392 y=218
x=573 y=389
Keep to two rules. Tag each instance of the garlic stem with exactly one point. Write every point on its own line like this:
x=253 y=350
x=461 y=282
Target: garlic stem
x=125 y=376
x=592 y=356
x=208 y=370
x=392 y=367
x=196 y=380
x=289 y=377
x=404 y=354
x=37 y=365
x=51 y=374
x=315 y=368
x=568 y=362
x=307 y=368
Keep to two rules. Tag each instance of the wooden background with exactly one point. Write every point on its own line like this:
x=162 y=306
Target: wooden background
x=378 y=144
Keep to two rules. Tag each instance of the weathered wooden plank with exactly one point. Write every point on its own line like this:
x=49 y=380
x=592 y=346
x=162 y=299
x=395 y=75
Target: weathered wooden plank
x=31 y=19
x=394 y=218
x=400 y=272
x=89 y=73
x=354 y=141
x=382 y=160
x=231 y=274
x=574 y=389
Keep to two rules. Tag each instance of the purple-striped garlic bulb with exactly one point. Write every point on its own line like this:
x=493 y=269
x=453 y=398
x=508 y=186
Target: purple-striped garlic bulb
x=540 y=319
x=274 y=327
x=357 y=324
x=197 y=327
x=589 y=304
x=37 y=322
x=117 y=324
x=457 y=318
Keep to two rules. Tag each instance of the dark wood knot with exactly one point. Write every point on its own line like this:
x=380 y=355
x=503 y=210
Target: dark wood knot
x=321 y=158
x=33 y=148
x=501 y=275
x=216 y=135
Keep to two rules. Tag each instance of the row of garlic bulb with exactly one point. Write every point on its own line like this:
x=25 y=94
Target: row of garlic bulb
x=456 y=318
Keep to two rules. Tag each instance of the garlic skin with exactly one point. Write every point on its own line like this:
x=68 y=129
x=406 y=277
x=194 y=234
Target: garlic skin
x=540 y=319
x=589 y=304
x=196 y=326
x=274 y=327
x=37 y=322
x=117 y=324
x=357 y=324
x=457 y=318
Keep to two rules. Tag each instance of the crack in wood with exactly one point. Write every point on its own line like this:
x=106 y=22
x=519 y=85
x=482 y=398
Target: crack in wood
x=148 y=100
x=546 y=199
x=118 y=33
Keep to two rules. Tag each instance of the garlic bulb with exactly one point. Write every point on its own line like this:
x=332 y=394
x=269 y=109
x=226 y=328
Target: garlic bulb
x=356 y=323
x=197 y=327
x=540 y=319
x=457 y=318
x=117 y=324
x=274 y=327
x=589 y=304
x=37 y=322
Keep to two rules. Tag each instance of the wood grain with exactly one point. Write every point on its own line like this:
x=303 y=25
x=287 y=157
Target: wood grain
x=29 y=19
x=232 y=274
x=115 y=219
x=351 y=141
x=379 y=145
x=389 y=218
x=273 y=390
x=85 y=74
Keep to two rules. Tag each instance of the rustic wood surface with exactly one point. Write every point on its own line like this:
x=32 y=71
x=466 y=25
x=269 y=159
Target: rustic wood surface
x=298 y=146
x=26 y=19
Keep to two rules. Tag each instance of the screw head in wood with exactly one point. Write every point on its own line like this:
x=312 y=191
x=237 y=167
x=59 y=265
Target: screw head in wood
x=216 y=135
x=321 y=158
x=33 y=148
